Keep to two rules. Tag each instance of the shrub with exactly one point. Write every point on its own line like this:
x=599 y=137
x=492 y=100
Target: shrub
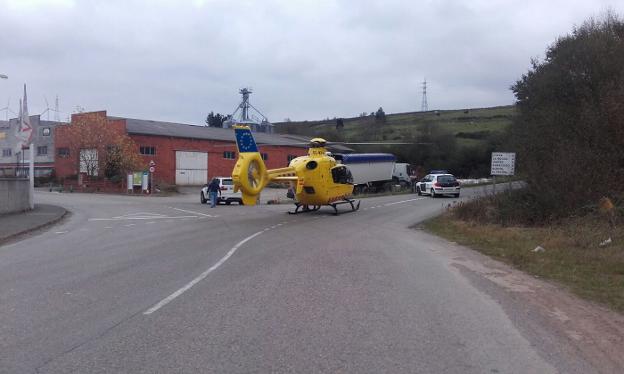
x=570 y=129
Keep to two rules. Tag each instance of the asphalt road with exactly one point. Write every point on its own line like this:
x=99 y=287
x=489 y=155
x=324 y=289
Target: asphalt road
x=167 y=285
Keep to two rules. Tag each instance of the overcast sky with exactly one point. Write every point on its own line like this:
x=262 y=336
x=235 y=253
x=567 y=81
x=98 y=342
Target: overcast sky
x=178 y=60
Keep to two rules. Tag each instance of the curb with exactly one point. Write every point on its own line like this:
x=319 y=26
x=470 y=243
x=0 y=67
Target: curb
x=29 y=230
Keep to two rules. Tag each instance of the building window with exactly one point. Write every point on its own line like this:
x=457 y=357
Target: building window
x=89 y=161
x=145 y=150
x=291 y=157
x=265 y=156
x=63 y=152
x=229 y=155
x=7 y=152
x=45 y=131
x=42 y=150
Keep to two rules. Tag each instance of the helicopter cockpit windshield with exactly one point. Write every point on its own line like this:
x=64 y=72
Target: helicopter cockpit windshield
x=341 y=175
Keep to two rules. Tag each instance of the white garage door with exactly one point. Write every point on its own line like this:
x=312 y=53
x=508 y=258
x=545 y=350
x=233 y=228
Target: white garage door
x=191 y=168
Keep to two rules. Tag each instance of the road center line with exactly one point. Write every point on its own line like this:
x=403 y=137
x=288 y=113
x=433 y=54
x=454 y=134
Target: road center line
x=203 y=275
x=192 y=212
x=137 y=218
x=404 y=201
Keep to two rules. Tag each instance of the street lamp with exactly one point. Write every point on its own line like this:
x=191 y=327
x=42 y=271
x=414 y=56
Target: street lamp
x=2 y=76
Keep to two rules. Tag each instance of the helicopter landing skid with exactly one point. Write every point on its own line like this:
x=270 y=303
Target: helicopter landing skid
x=355 y=205
x=301 y=208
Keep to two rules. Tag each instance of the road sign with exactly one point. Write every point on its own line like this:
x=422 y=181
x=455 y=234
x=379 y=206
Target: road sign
x=145 y=181
x=152 y=169
x=137 y=177
x=503 y=163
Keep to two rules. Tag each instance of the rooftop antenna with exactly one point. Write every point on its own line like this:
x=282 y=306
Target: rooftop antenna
x=423 y=105
x=244 y=106
x=57 y=116
x=7 y=109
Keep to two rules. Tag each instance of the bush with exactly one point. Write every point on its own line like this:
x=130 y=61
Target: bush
x=116 y=179
x=512 y=207
x=166 y=187
x=570 y=129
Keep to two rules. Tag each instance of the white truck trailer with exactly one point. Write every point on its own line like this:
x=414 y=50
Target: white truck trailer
x=375 y=172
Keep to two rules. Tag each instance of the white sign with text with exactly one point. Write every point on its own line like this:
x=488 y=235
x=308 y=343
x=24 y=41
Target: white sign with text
x=503 y=163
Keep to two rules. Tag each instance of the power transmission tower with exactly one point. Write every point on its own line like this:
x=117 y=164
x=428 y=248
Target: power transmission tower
x=423 y=105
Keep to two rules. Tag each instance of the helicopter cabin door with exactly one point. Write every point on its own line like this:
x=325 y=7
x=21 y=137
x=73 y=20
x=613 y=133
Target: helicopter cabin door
x=341 y=175
x=342 y=187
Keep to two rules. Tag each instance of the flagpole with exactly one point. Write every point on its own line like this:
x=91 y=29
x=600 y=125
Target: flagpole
x=31 y=172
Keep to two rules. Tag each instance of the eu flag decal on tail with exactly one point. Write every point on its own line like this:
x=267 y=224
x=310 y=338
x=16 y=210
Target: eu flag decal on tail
x=245 y=140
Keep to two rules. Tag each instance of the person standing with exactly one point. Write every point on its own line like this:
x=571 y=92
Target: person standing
x=213 y=190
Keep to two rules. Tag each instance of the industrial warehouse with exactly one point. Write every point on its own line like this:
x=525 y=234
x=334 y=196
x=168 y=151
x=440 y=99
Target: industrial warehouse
x=182 y=154
x=170 y=153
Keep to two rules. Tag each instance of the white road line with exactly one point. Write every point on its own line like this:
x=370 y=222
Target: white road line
x=130 y=224
x=192 y=212
x=143 y=214
x=405 y=201
x=137 y=218
x=61 y=232
x=203 y=275
x=150 y=222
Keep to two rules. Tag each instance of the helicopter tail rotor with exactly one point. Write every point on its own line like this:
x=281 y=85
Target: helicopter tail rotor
x=250 y=174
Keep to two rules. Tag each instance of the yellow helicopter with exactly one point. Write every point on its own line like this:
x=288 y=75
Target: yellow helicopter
x=317 y=179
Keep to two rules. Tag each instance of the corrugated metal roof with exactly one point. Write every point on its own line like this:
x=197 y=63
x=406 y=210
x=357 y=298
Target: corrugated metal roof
x=180 y=130
x=191 y=131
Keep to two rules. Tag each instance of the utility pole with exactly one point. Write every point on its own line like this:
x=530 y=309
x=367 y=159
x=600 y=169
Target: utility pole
x=423 y=105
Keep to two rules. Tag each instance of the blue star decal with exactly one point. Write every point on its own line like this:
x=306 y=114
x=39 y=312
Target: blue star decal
x=245 y=141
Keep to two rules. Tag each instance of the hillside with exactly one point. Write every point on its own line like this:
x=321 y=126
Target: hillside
x=469 y=125
x=457 y=140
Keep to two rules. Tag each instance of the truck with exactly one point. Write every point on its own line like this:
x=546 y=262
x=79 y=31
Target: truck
x=375 y=172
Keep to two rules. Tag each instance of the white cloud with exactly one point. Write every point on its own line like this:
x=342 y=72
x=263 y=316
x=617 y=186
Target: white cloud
x=305 y=59
x=30 y=5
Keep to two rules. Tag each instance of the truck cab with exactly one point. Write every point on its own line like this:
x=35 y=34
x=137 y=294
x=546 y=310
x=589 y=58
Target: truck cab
x=401 y=174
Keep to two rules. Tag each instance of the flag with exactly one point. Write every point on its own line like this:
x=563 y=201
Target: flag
x=24 y=129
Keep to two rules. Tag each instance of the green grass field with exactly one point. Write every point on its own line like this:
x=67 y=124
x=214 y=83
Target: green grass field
x=468 y=125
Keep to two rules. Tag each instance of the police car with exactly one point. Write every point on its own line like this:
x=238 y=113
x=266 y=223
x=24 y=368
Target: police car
x=228 y=195
x=438 y=184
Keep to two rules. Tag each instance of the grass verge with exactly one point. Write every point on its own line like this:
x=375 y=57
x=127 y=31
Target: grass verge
x=572 y=255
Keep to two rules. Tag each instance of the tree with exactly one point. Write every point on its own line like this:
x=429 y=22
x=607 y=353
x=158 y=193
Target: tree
x=339 y=124
x=569 y=133
x=380 y=116
x=215 y=120
x=98 y=146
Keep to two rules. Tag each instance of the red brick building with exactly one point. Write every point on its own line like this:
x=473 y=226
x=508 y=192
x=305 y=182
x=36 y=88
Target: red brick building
x=183 y=154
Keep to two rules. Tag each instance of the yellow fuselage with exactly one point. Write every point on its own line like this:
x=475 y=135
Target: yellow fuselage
x=315 y=185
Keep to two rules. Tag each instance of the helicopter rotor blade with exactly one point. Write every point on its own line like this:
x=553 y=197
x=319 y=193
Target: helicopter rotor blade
x=373 y=143
x=334 y=143
x=253 y=174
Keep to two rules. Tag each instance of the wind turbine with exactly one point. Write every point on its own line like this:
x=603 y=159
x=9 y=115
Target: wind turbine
x=7 y=109
x=48 y=109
